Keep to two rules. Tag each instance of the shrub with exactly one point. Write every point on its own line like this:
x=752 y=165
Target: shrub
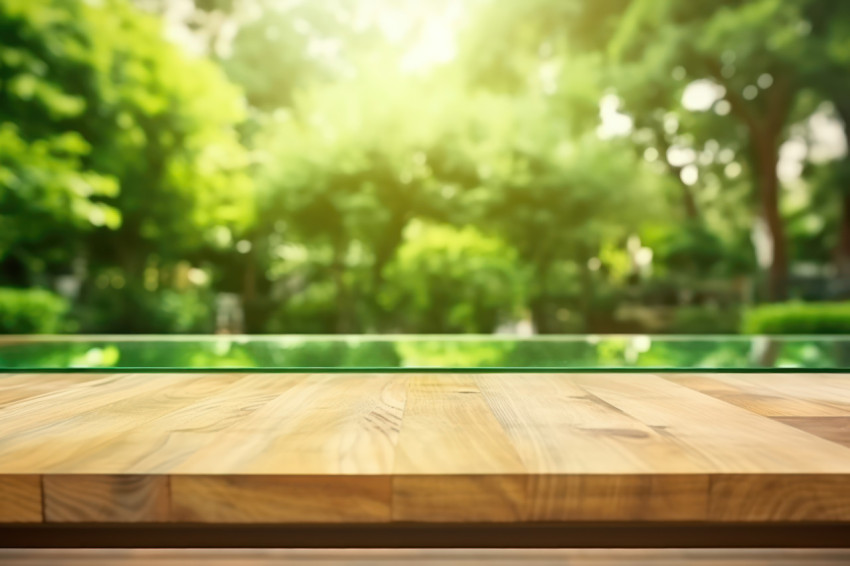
x=31 y=311
x=705 y=320
x=312 y=310
x=799 y=318
x=446 y=279
x=137 y=311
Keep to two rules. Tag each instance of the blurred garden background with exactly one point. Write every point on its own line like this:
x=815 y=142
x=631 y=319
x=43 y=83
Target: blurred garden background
x=424 y=166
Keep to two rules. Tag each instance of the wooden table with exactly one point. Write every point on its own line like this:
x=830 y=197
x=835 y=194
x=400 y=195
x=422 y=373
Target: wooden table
x=240 y=459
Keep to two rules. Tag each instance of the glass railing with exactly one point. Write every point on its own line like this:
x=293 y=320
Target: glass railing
x=374 y=353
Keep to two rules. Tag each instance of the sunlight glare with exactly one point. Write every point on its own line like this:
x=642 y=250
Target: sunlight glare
x=424 y=30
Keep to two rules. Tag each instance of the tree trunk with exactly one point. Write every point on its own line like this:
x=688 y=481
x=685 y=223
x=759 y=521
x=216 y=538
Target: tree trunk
x=842 y=249
x=343 y=300
x=691 y=210
x=385 y=252
x=587 y=289
x=688 y=201
x=250 y=322
x=249 y=276
x=541 y=314
x=766 y=157
x=765 y=127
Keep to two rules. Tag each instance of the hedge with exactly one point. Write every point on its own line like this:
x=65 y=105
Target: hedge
x=31 y=311
x=798 y=318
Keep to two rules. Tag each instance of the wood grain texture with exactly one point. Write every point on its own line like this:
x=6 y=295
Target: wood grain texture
x=617 y=497
x=60 y=431
x=723 y=438
x=766 y=395
x=15 y=388
x=835 y=429
x=449 y=428
x=20 y=499
x=765 y=497
x=451 y=498
x=106 y=499
x=821 y=388
x=558 y=426
x=319 y=424
x=374 y=448
x=281 y=499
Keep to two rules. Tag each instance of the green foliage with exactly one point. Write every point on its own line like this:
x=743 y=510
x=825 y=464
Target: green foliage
x=309 y=311
x=798 y=318
x=693 y=251
x=49 y=189
x=32 y=311
x=377 y=166
x=100 y=113
x=705 y=320
x=755 y=56
x=446 y=279
x=164 y=124
x=271 y=51
x=115 y=146
x=454 y=354
x=135 y=310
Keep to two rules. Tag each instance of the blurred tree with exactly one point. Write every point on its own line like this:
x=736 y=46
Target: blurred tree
x=164 y=125
x=49 y=190
x=554 y=182
x=32 y=311
x=282 y=48
x=751 y=54
x=564 y=207
x=395 y=144
x=347 y=171
x=827 y=61
x=101 y=114
x=446 y=279
x=556 y=197
x=204 y=27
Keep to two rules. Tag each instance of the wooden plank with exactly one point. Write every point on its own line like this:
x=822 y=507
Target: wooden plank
x=760 y=394
x=449 y=429
x=17 y=387
x=835 y=429
x=106 y=498
x=831 y=389
x=454 y=461
x=169 y=439
x=68 y=402
x=557 y=427
x=779 y=497
x=228 y=407
x=477 y=498
x=429 y=448
x=70 y=442
x=20 y=499
x=281 y=499
x=550 y=497
x=617 y=497
x=728 y=439
x=589 y=460
x=323 y=424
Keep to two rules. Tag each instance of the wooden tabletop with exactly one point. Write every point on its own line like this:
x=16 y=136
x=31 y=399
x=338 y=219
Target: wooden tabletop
x=443 y=448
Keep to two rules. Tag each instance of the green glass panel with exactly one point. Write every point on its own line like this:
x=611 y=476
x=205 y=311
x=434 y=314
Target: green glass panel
x=433 y=353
